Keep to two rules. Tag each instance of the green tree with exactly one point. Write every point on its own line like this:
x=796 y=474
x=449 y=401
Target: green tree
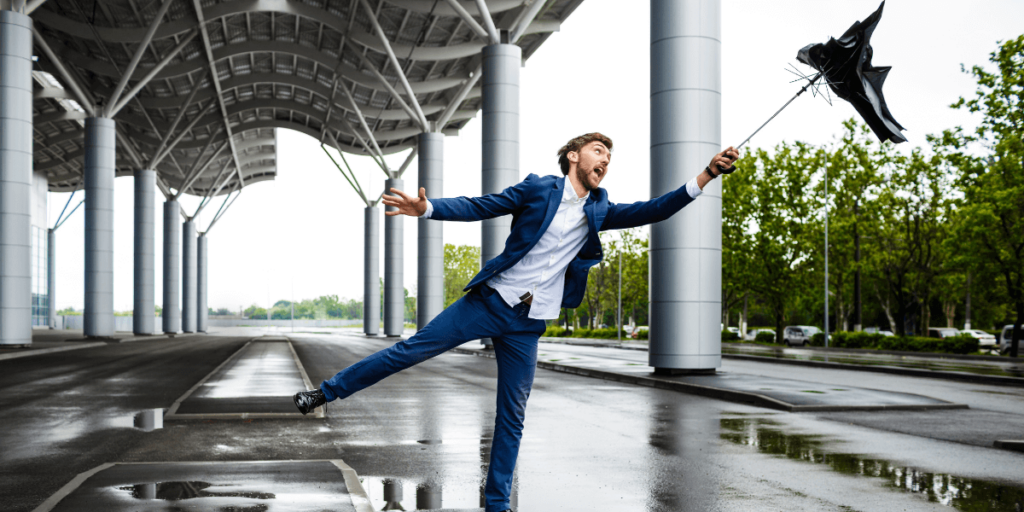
x=988 y=225
x=461 y=263
x=770 y=193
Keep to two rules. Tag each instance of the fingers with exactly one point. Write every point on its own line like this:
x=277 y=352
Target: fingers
x=403 y=194
x=392 y=213
x=423 y=193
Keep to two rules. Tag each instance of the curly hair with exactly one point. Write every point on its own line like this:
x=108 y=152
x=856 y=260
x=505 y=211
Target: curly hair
x=576 y=144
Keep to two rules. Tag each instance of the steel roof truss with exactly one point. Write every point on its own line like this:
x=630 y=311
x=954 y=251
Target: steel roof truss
x=468 y=19
x=143 y=45
x=86 y=101
x=485 y=13
x=419 y=117
x=216 y=82
x=122 y=101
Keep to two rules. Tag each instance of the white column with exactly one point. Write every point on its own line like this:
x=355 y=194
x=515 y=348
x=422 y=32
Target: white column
x=202 y=283
x=144 y=311
x=100 y=144
x=686 y=250
x=188 y=277
x=430 y=242
x=172 y=246
x=371 y=271
x=394 y=270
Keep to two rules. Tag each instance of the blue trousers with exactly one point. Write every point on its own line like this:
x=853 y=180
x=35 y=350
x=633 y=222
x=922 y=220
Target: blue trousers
x=481 y=313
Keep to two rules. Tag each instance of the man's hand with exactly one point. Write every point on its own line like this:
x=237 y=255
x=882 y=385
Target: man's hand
x=723 y=160
x=406 y=204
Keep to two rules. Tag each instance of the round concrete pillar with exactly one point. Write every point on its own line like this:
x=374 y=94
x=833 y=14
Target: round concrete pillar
x=171 y=314
x=371 y=271
x=144 y=311
x=188 y=277
x=202 y=296
x=394 y=285
x=686 y=250
x=430 y=242
x=15 y=178
x=100 y=144
x=51 y=278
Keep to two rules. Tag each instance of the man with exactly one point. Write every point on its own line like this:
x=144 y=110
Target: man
x=553 y=244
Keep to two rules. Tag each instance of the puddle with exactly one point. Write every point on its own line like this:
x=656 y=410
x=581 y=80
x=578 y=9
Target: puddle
x=176 y=491
x=149 y=420
x=950 y=490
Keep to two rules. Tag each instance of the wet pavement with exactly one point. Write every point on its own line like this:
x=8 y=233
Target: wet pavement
x=421 y=438
x=257 y=381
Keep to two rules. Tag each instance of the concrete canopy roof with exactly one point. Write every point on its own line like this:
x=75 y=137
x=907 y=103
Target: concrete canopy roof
x=218 y=77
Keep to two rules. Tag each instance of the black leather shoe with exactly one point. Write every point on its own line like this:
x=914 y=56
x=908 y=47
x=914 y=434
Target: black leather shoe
x=306 y=401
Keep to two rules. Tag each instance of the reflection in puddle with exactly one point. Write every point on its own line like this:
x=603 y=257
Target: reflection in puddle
x=175 y=491
x=149 y=420
x=949 y=490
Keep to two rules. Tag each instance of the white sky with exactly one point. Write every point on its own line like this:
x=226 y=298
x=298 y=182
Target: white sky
x=301 y=235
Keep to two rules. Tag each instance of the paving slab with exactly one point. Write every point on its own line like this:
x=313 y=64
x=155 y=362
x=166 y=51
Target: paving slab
x=258 y=381
x=774 y=393
x=248 y=485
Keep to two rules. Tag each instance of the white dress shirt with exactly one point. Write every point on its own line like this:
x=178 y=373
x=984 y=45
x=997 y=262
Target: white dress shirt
x=542 y=271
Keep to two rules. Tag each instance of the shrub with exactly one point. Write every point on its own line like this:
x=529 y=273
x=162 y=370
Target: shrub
x=555 y=331
x=764 y=337
x=817 y=340
x=730 y=336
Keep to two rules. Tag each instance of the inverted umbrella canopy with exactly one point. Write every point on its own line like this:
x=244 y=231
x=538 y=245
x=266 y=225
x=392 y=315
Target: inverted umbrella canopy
x=846 y=66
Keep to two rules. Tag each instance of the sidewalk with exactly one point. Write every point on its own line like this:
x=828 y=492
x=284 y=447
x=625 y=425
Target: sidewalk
x=45 y=341
x=757 y=390
x=977 y=369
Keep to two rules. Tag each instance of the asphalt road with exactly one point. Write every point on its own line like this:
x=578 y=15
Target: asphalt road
x=422 y=436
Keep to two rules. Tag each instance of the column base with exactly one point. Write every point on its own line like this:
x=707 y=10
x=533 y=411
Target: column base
x=683 y=371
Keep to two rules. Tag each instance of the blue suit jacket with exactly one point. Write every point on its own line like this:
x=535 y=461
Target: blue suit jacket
x=533 y=204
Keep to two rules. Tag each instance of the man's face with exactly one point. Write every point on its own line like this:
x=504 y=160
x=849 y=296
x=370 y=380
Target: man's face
x=591 y=164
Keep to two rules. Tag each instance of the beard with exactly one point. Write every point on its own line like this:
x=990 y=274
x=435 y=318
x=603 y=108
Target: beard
x=583 y=175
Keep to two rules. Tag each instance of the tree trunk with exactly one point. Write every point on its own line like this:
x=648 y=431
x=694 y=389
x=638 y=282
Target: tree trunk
x=949 y=311
x=779 y=313
x=888 y=312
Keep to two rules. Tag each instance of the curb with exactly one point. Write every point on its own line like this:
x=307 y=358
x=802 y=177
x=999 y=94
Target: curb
x=39 y=352
x=931 y=374
x=730 y=395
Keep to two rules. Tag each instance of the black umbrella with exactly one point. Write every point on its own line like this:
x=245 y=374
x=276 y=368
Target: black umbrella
x=845 y=65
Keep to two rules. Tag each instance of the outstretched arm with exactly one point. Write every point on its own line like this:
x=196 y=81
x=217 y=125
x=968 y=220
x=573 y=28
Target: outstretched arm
x=458 y=208
x=641 y=213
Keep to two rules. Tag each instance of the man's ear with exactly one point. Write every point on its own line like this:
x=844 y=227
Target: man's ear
x=573 y=157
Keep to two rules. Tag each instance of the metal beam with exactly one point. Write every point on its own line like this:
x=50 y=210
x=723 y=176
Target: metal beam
x=85 y=100
x=362 y=121
x=468 y=18
x=33 y=5
x=460 y=96
x=408 y=160
x=422 y=119
x=223 y=210
x=152 y=73
x=524 y=23
x=184 y=131
x=139 y=52
x=182 y=109
x=197 y=5
x=197 y=170
x=485 y=13
x=214 y=192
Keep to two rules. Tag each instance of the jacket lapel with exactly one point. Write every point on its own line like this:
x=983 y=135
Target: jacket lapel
x=553 y=199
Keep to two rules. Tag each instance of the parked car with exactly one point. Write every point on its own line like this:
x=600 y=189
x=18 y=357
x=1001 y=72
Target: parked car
x=942 y=332
x=636 y=331
x=1007 y=337
x=799 y=334
x=986 y=341
x=733 y=329
x=878 y=330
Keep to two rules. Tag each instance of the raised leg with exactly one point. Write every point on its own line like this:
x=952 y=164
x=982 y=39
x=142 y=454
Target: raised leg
x=470 y=318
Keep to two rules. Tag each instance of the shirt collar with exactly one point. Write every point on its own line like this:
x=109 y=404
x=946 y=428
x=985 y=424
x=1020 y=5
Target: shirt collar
x=569 y=193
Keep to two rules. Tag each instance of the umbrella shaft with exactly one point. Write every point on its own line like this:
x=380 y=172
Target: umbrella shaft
x=801 y=91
